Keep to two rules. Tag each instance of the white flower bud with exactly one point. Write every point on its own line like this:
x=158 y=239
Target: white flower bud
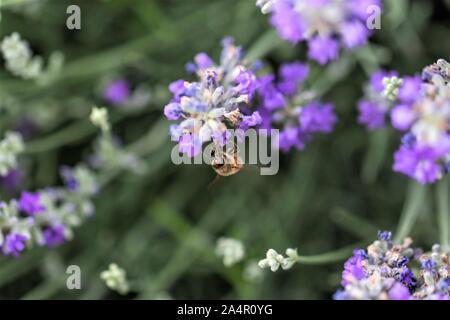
x=10 y=147
x=231 y=250
x=274 y=260
x=99 y=118
x=391 y=87
x=115 y=279
x=18 y=56
x=266 y=5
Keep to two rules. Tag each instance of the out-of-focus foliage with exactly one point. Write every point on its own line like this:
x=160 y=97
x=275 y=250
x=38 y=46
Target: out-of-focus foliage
x=161 y=223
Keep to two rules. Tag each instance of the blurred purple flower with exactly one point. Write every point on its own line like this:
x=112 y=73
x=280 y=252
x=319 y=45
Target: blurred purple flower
x=316 y=117
x=326 y=25
x=411 y=89
x=30 y=203
x=54 y=235
x=399 y=292
x=371 y=115
x=291 y=75
x=418 y=163
x=117 y=92
x=402 y=117
x=14 y=244
x=323 y=49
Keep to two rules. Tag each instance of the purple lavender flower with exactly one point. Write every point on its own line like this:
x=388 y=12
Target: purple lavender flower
x=203 y=61
x=286 y=107
x=177 y=89
x=428 y=264
x=399 y=292
x=245 y=83
x=327 y=25
x=384 y=272
x=190 y=145
x=419 y=163
x=271 y=96
x=54 y=235
x=371 y=115
x=117 y=92
x=291 y=75
x=360 y=8
x=287 y=22
x=384 y=235
x=291 y=137
x=44 y=217
x=423 y=110
x=323 y=50
x=402 y=117
x=410 y=90
x=172 y=111
x=30 y=203
x=317 y=117
x=406 y=275
x=210 y=106
x=14 y=244
x=420 y=109
x=252 y=120
x=374 y=106
x=354 y=34
x=375 y=273
x=353 y=268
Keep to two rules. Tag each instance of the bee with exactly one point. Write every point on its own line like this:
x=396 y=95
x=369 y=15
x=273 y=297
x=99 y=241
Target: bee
x=227 y=163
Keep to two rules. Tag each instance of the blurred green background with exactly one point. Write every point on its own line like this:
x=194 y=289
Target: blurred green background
x=161 y=226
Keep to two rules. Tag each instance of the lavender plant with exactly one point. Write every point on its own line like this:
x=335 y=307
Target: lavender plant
x=159 y=223
x=21 y=62
x=47 y=217
x=375 y=104
x=19 y=58
x=326 y=25
x=387 y=271
x=288 y=106
x=214 y=103
x=418 y=108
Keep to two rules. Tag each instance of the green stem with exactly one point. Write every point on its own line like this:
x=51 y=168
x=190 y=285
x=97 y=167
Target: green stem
x=75 y=132
x=266 y=43
x=353 y=223
x=329 y=257
x=375 y=156
x=4 y=3
x=442 y=200
x=411 y=209
x=70 y=134
x=334 y=73
x=367 y=59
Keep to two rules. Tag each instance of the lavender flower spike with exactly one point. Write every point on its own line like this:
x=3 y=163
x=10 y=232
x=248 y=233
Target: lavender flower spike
x=214 y=103
x=419 y=108
x=326 y=25
x=287 y=106
x=46 y=217
x=384 y=272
